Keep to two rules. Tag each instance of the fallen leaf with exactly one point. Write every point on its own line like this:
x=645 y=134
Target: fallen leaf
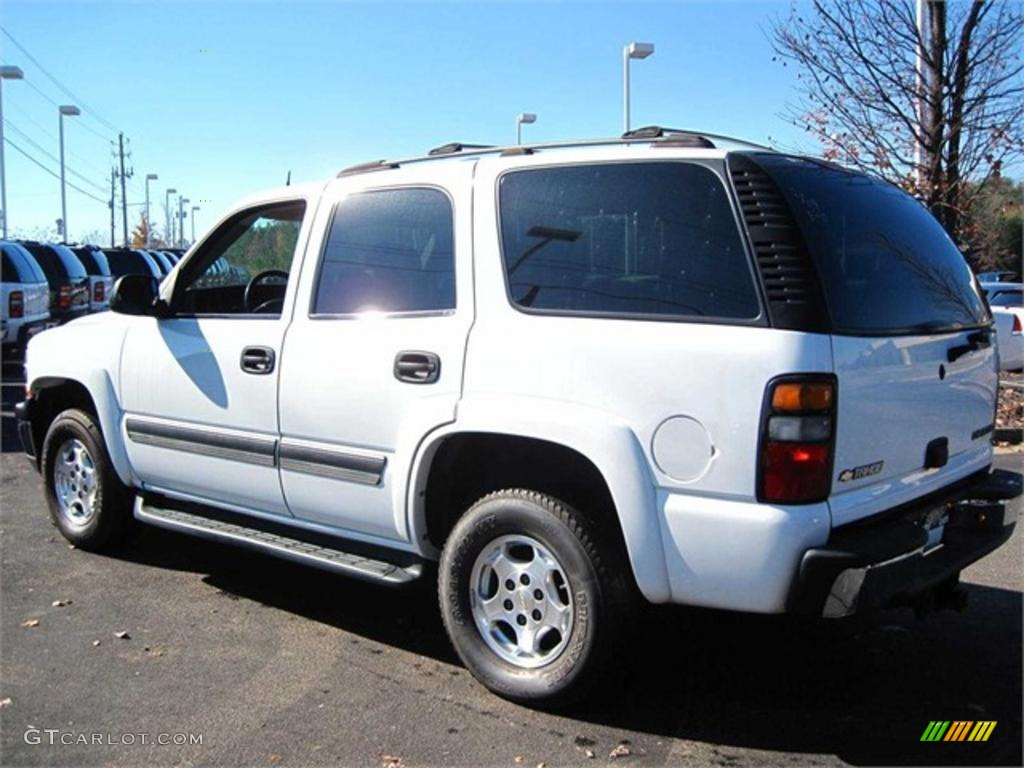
x=29 y=623
x=541 y=765
x=620 y=750
x=95 y=642
x=122 y=636
x=5 y=702
x=519 y=758
x=60 y=603
x=391 y=761
x=590 y=754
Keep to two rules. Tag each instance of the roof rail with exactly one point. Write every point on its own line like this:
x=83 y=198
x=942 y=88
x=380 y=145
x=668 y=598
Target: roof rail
x=657 y=135
x=456 y=146
x=661 y=132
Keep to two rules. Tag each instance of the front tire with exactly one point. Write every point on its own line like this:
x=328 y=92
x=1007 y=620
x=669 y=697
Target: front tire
x=531 y=597
x=87 y=501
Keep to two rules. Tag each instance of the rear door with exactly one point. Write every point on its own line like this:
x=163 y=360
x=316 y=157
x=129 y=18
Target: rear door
x=912 y=347
x=373 y=358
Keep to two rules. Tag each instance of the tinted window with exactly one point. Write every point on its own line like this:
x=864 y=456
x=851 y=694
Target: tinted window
x=58 y=262
x=19 y=266
x=389 y=251
x=123 y=262
x=626 y=238
x=94 y=261
x=886 y=264
x=8 y=272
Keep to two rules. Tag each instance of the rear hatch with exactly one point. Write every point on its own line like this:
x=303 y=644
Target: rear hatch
x=67 y=278
x=912 y=346
x=24 y=273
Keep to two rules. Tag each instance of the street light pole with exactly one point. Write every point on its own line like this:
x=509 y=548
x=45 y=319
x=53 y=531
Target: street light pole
x=181 y=221
x=66 y=110
x=524 y=118
x=631 y=51
x=169 y=233
x=194 y=209
x=6 y=73
x=149 y=177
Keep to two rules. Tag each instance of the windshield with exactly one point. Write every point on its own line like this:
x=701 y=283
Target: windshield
x=887 y=266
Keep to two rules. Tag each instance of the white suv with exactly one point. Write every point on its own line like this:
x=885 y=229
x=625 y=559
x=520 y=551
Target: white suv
x=581 y=377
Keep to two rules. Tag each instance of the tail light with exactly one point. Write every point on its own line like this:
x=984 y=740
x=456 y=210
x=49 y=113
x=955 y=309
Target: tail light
x=99 y=291
x=1016 y=325
x=64 y=297
x=797 y=439
x=16 y=304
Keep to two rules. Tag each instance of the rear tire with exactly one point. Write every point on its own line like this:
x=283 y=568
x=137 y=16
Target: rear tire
x=532 y=599
x=87 y=500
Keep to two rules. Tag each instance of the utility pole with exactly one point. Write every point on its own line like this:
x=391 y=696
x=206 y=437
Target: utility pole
x=113 y=180
x=124 y=198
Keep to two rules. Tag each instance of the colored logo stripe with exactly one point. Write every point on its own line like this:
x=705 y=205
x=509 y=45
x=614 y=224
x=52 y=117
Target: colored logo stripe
x=958 y=730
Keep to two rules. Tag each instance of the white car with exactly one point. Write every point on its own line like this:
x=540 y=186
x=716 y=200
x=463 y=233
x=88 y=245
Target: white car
x=1007 y=303
x=24 y=297
x=584 y=377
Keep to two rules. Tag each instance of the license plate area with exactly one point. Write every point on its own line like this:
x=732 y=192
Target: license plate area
x=934 y=523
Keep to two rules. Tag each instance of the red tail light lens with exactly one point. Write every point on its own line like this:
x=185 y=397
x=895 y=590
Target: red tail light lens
x=16 y=304
x=99 y=291
x=1016 y=325
x=64 y=297
x=796 y=440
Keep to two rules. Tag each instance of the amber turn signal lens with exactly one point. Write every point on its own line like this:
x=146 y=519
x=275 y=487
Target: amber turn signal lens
x=802 y=396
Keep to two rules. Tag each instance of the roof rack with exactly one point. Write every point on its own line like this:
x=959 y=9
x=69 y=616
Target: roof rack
x=654 y=134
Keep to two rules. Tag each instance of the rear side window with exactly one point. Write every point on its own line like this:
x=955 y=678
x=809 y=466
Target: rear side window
x=389 y=251
x=8 y=272
x=50 y=262
x=1011 y=298
x=656 y=239
x=886 y=265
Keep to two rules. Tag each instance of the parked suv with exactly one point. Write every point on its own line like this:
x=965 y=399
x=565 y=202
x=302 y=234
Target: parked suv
x=667 y=368
x=101 y=281
x=24 y=296
x=69 y=282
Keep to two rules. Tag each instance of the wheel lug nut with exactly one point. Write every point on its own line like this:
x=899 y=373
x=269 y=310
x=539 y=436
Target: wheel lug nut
x=536 y=615
x=510 y=585
x=521 y=620
x=524 y=580
x=508 y=605
x=538 y=595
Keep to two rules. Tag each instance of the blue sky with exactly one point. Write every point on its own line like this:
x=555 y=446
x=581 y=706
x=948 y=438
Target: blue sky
x=311 y=88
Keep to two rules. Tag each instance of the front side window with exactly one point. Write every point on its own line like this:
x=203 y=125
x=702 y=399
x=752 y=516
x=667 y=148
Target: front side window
x=244 y=267
x=656 y=238
x=388 y=251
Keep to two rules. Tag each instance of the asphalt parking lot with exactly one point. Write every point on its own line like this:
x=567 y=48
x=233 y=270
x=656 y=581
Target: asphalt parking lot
x=275 y=664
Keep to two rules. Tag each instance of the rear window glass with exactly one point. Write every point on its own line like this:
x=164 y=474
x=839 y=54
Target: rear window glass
x=20 y=266
x=654 y=238
x=128 y=263
x=95 y=262
x=887 y=266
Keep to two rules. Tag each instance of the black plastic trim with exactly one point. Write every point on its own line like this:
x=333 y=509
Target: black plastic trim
x=253 y=450
x=332 y=463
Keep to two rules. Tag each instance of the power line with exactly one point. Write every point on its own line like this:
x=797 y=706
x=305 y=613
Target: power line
x=55 y=175
x=67 y=167
x=61 y=86
x=23 y=114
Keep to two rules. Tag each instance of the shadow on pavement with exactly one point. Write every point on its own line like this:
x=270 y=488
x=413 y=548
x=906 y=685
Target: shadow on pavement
x=862 y=690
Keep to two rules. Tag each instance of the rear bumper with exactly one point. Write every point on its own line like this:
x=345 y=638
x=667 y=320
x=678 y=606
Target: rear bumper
x=23 y=417
x=898 y=556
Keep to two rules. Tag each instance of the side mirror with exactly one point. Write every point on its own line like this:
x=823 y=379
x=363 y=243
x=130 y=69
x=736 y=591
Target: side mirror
x=135 y=295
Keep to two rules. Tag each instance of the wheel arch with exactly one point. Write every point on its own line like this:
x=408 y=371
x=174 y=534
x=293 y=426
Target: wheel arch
x=484 y=450
x=94 y=394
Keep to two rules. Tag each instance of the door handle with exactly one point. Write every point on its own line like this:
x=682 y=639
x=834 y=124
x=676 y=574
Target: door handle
x=978 y=340
x=258 y=360
x=417 y=367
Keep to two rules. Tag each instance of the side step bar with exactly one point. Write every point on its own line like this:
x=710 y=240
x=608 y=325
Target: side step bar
x=304 y=552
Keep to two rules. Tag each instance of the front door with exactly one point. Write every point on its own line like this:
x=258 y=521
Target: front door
x=373 y=357
x=200 y=386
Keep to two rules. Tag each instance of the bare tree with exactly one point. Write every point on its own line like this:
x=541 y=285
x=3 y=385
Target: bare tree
x=862 y=98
